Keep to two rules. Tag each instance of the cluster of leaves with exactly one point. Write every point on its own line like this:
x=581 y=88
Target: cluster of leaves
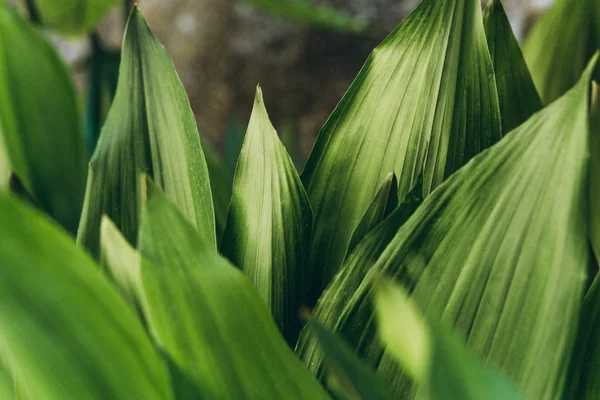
x=445 y=225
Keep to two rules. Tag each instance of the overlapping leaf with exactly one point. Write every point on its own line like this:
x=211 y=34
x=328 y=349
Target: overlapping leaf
x=516 y=91
x=39 y=120
x=269 y=223
x=560 y=44
x=73 y=16
x=150 y=129
x=66 y=332
x=205 y=315
x=424 y=103
x=500 y=250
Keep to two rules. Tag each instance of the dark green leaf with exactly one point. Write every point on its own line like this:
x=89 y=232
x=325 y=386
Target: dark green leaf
x=39 y=120
x=66 y=332
x=269 y=223
x=205 y=315
x=516 y=91
x=424 y=103
x=73 y=16
x=150 y=129
x=221 y=181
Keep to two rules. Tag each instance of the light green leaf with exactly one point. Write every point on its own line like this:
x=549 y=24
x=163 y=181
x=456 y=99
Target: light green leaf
x=384 y=202
x=205 y=315
x=39 y=120
x=150 y=129
x=305 y=12
x=500 y=250
x=269 y=224
x=66 y=332
x=443 y=367
x=7 y=386
x=424 y=103
x=73 y=16
x=516 y=91
x=560 y=44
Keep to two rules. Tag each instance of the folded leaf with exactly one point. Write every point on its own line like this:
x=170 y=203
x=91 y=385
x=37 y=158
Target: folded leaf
x=150 y=129
x=424 y=103
x=73 y=16
x=66 y=332
x=439 y=362
x=516 y=91
x=205 y=315
x=560 y=44
x=269 y=223
x=500 y=250
x=347 y=376
x=39 y=120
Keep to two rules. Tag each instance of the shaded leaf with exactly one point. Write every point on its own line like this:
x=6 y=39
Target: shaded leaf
x=384 y=202
x=500 y=250
x=269 y=222
x=66 y=331
x=516 y=91
x=205 y=315
x=221 y=181
x=594 y=180
x=560 y=44
x=39 y=120
x=424 y=103
x=348 y=375
x=73 y=16
x=150 y=129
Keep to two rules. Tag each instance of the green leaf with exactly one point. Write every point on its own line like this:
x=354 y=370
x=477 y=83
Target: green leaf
x=150 y=129
x=594 y=181
x=347 y=375
x=424 y=103
x=73 y=16
x=500 y=250
x=305 y=12
x=516 y=91
x=39 y=120
x=384 y=202
x=221 y=181
x=7 y=386
x=439 y=362
x=66 y=332
x=560 y=44
x=205 y=315
x=269 y=224
x=331 y=304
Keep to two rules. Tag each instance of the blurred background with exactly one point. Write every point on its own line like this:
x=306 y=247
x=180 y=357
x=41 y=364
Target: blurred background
x=223 y=48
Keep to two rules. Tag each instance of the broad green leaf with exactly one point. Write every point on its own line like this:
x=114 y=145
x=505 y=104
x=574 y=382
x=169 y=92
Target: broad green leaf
x=73 y=16
x=437 y=360
x=384 y=202
x=560 y=44
x=347 y=375
x=424 y=103
x=66 y=332
x=500 y=250
x=39 y=120
x=7 y=386
x=221 y=181
x=269 y=223
x=150 y=129
x=305 y=12
x=331 y=304
x=207 y=318
x=516 y=91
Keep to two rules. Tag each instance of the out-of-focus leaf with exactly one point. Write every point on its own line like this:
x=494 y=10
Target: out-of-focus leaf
x=382 y=205
x=305 y=12
x=356 y=266
x=221 y=181
x=150 y=129
x=347 y=376
x=269 y=223
x=17 y=188
x=5 y=171
x=66 y=331
x=39 y=120
x=424 y=103
x=7 y=386
x=234 y=139
x=73 y=16
x=516 y=91
x=560 y=44
x=289 y=138
x=443 y=367
x=205 y=315
x=500 y=250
